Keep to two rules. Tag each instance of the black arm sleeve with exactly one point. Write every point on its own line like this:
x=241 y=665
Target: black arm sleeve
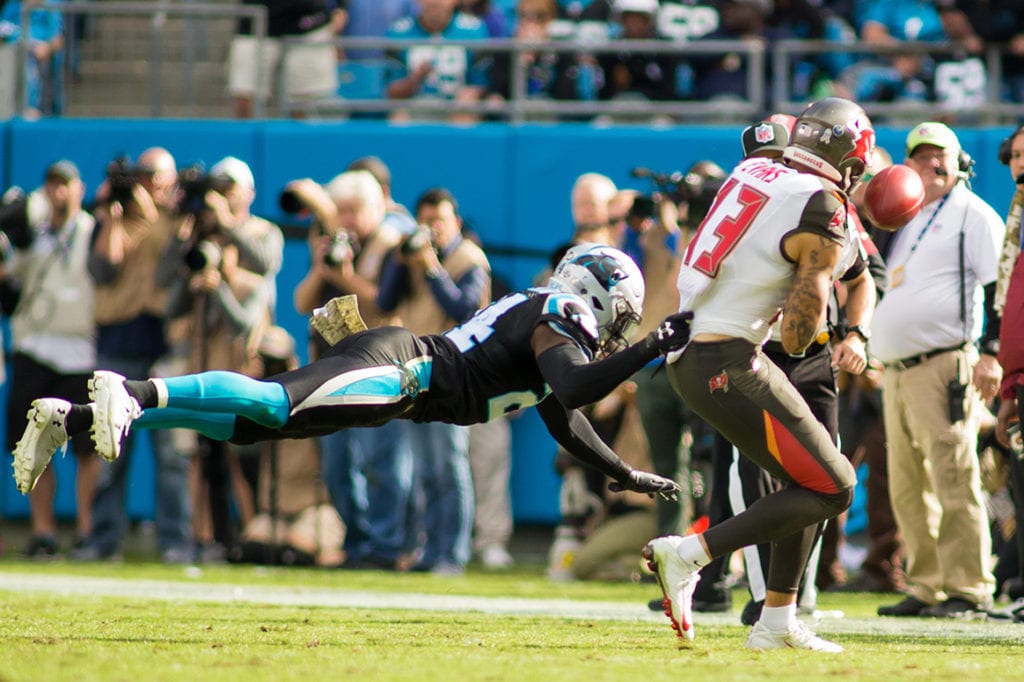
x=574 y=433
x=576 y=382
x=989 y=343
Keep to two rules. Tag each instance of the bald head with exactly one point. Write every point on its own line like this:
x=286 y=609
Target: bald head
x=158 y=173
x=590 y=196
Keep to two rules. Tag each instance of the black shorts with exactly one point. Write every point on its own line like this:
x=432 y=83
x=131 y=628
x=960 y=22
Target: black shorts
x=30 y=379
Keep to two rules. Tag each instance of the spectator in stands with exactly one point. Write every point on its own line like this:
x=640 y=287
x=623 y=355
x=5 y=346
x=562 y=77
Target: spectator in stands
x=724 y=77
x=43 y=67
x=813 y=74
x=47 y=292
x=886 y=22
x=372 y=19
x=368 y=471
x=435 y=71
x=489 y=13
x=959 y=79
x=435 y=280
x=975 y=25
x=548 y=73
x=308 y=70
x=636 y=75
x=137 y=215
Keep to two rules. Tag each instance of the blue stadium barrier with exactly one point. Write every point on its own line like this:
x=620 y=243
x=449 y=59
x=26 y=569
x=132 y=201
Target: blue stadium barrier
x=512 y=183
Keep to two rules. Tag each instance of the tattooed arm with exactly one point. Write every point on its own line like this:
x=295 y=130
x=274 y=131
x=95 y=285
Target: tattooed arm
x=805 y=308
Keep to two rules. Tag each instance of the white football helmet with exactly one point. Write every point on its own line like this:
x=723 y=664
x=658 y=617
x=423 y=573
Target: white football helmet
x=611 y=285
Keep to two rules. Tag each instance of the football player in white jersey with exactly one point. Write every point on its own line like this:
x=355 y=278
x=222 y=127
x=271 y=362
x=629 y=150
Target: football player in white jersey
x=771 y=247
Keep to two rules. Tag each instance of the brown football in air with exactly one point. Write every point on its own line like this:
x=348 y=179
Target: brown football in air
x=894 y=197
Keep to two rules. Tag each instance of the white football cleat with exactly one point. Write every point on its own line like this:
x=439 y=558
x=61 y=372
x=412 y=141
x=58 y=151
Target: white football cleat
x=44 y=434
x=796 y=636
x=678 y=579
x=113 y=412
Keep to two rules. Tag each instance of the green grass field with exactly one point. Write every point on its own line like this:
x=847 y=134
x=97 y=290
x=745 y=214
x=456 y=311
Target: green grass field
x=140 y=621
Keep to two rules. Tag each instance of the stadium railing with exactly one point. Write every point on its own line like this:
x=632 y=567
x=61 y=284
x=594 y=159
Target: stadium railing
x=168 y=60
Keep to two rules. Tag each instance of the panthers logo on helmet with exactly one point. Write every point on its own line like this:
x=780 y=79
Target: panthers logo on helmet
x=605 y=268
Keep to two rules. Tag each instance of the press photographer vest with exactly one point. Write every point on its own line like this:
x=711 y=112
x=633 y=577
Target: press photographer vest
x=420 y=312
x=135 y=289
x=57 y=293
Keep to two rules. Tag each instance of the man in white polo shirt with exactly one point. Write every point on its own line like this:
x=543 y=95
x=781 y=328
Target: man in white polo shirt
x=928 y=333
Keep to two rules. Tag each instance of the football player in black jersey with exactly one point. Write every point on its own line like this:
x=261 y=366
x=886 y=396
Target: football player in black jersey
x=558 y=347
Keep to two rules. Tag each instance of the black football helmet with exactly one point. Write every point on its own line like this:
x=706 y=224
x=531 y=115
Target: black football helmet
x=833 y=137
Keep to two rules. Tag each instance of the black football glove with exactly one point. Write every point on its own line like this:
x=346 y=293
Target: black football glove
x=644 y=482
x=672 y=334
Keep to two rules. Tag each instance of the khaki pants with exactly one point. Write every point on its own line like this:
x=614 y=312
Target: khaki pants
x=934 y=480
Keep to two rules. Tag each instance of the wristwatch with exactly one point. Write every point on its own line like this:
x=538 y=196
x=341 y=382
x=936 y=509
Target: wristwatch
x=860 y=331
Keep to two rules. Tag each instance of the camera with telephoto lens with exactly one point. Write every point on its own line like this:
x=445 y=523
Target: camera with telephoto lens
x=290 y=202
x=205 y=253
x=18 y=211
x=415 y=242
x=696 y=187
x=194 y=184
x=122 y=177
x=339 y=250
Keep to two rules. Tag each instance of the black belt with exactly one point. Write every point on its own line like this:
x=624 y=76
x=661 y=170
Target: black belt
x=915 y=360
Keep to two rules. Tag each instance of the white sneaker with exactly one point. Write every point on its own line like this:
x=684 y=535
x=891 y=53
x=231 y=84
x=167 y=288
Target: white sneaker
x=796 y=636
x=495 y=557
x=44 y=434
x=677 y=578
x=113 y=412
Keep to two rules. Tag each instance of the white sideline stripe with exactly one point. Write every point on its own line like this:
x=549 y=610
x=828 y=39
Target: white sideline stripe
x=167 y=590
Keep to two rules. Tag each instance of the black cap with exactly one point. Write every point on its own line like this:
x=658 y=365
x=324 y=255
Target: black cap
x=764 y=138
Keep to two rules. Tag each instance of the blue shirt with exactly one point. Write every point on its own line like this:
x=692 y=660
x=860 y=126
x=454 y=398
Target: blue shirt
x=43 y=24
x=905 y=19
x=371 y=19
x=454 y=66
x=458 y=298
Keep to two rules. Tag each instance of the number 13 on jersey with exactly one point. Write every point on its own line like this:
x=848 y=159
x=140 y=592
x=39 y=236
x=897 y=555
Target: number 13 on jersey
x=733 y=212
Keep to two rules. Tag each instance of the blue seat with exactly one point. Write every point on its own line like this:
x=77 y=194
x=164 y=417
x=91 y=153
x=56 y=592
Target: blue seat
x=361 y=79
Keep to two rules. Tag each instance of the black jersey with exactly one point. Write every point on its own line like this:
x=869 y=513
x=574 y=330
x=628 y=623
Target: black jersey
x=486 y=367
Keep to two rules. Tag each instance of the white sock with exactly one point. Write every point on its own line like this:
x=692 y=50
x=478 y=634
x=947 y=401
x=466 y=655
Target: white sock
x=691 y=550
x=161 y=392
x=778 y=617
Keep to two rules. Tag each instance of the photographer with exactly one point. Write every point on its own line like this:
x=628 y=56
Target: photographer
x=136 y=217
x=658 y=228
x=228 y=260
x=348 y=244
x=46 y=290
x=434 y=280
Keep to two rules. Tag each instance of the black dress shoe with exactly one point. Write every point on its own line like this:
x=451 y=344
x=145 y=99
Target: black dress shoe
x=954 y=607
x=910 y=606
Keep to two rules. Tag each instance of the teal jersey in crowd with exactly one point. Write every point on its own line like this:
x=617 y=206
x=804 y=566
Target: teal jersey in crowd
x=454 y=66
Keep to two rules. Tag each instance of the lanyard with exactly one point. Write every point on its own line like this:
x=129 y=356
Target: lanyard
x=926 y=227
